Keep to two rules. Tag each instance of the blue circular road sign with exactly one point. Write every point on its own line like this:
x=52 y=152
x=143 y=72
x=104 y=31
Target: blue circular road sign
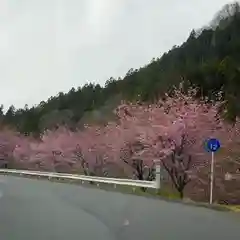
x=213 y=145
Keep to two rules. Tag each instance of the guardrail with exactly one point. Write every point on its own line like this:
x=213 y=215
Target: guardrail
x=115 y=181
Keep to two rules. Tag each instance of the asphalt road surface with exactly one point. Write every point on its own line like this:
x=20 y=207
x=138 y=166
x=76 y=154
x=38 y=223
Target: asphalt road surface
x=42 y=210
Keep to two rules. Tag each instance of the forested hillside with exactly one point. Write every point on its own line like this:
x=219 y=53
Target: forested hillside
x=209 y=59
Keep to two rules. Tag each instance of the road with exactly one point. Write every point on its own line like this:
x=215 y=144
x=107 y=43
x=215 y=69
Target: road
x=42 y=210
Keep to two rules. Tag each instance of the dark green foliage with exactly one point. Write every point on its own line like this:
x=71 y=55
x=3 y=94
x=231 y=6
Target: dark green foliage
x=209 y=60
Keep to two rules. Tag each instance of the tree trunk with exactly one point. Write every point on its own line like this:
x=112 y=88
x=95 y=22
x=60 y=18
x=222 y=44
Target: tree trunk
x=181 y=193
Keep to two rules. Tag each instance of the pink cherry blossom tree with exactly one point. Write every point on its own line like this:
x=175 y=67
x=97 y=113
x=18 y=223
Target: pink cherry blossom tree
x=174 y=131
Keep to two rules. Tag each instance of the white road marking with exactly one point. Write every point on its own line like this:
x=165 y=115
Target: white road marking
x=126 y=222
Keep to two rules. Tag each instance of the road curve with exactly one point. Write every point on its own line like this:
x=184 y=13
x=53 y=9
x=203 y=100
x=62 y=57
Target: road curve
x=42 y=210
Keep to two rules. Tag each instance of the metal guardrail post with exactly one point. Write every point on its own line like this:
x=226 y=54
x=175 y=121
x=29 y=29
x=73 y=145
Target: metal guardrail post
x=158 y=174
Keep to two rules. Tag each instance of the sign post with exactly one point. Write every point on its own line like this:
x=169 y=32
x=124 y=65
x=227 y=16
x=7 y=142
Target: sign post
x=212 y=145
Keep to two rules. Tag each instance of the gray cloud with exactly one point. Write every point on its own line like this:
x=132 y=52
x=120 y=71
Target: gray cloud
x=51 y=46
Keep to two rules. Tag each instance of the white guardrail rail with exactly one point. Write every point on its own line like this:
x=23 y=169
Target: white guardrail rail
x=115 y=181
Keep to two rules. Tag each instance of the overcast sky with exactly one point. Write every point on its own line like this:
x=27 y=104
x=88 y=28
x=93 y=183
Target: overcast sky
x=47 y=46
